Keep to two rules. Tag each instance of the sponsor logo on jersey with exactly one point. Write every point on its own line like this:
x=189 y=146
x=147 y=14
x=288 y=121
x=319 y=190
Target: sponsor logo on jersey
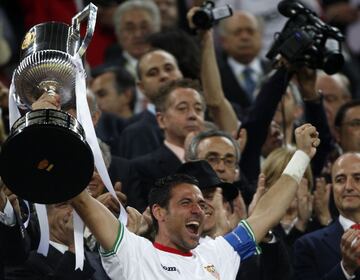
x=170 y=268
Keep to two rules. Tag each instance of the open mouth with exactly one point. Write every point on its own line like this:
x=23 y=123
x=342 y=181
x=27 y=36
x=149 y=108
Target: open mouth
x=193 y=227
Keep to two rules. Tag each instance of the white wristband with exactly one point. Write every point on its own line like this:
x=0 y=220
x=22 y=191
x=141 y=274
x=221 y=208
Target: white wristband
x=297 y=165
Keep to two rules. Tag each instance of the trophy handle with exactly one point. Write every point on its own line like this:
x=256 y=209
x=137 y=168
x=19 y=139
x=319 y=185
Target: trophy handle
x=90 y=12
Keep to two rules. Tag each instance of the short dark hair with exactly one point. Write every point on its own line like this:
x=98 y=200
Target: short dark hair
x=160 y=193
x=123 y=79
x=340 y=115
x=182 y=46
x=161 y=99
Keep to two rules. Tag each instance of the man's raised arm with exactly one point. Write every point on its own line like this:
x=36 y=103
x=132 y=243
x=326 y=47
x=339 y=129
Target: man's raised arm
x=273 y=205
x=101 y=222
x=219 y=106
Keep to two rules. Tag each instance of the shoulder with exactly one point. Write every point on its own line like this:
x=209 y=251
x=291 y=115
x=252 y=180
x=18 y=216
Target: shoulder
x=153 y=156
x=139 y=124
x=316 y=237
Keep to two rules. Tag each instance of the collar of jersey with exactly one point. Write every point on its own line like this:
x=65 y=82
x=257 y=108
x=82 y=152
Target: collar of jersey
x=171 y=250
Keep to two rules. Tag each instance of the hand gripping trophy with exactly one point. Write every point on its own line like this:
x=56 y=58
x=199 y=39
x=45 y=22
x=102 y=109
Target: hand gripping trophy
x=46 y=158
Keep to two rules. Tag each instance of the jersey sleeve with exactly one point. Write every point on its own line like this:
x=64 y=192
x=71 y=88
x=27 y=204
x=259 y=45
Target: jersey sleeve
x=126 y=253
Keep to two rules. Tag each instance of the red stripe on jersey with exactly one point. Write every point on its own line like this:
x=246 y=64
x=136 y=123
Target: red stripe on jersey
x=171 y=250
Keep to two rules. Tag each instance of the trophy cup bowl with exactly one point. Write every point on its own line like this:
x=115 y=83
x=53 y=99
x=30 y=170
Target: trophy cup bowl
x=46 y=158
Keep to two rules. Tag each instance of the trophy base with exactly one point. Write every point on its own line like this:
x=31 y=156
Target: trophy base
x=46 y=163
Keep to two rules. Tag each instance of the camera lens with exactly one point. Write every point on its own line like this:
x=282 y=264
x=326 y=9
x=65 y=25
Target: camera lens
x=333 y=63
x=202 y=19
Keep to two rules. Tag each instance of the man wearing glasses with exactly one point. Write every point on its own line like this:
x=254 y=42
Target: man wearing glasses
x=219 y=149
x=222 y=152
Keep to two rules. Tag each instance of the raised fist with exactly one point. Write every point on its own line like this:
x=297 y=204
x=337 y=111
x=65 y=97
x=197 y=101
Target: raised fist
x=307 y=139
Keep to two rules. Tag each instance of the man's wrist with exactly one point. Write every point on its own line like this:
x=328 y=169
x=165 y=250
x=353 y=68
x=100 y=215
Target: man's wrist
x=297 y=165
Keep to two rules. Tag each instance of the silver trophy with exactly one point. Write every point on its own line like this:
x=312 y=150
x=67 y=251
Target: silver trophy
x=46 y=158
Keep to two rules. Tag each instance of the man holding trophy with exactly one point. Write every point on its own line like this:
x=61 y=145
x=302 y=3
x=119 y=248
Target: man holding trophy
x=50 y=153
x=49 y=158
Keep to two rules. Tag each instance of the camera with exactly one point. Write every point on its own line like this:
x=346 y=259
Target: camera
x=307 y=40
x=208 y=15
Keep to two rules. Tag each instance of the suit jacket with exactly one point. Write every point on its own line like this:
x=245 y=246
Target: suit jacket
x=272 y=264
x=14 y=245
x=120 y=170
x=318 y=255
x=147 y=169
x=232 y=89
x=141 y=137
x=114 y=56
x=58 y=266
x=110 y=127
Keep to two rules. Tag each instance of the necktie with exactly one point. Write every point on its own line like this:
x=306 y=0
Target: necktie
x=249 y=83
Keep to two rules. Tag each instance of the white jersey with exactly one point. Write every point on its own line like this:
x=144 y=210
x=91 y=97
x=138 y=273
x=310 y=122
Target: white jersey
x=134 y=257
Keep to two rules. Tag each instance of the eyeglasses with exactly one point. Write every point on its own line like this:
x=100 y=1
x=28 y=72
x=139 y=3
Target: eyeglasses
x=229 y=160
x=353 y=123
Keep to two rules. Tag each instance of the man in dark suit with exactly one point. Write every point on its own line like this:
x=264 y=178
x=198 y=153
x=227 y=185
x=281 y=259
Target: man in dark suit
x=60 y=260
x=240 y=66
x=14 y=242
x=112 y=109
x=133 y=22
x=144 y=136
x=333 y=252
x=180 y=110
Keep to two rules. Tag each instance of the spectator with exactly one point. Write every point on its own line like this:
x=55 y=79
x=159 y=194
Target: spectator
x=240 y=65
x=169 y=13
x=133 y=21
x=267 y=12
x=14 y=241
x=335 y=90
x=332 y=252
x=154 y=69
x=347 y=124
x=180 y=110
x=218 y=148
x=115 y=91
x=183 y=47
x=298 y=218
x=60 y=260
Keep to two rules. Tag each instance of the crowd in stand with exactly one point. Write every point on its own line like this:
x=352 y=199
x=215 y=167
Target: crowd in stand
x=229 y=166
